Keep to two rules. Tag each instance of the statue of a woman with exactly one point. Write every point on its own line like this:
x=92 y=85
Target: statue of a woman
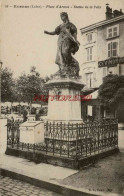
x=67 y=45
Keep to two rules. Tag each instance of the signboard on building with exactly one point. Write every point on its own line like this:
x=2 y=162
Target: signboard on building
x=112 y=62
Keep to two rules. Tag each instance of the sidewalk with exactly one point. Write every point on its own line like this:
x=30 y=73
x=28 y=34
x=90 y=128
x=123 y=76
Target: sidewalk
x=107 y=175
x=66 y=181
x=41 y=171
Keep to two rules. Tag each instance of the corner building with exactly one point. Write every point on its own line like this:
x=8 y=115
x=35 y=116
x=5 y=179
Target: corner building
x=103 y=53
x=103 y=48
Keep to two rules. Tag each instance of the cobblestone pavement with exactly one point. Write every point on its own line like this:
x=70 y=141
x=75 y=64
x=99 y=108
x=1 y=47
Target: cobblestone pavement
x=12 y=187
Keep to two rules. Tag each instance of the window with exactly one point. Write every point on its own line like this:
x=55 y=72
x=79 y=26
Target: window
x=89 y=79
x=112 y=49
x=113 y=31
x=109 y=32
x=89 y=54
x=89 y=37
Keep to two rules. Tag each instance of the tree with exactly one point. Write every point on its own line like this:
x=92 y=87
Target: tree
x=30 y=85
x=7 y=85
x=111 y=92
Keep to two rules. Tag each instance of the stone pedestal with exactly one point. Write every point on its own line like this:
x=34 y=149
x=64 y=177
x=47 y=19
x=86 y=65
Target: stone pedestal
x=64 y=100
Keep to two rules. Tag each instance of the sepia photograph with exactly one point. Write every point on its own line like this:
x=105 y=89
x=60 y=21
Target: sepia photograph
x=61 y=98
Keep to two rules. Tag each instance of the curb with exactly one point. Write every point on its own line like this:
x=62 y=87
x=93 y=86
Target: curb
x=52 y=186
x=40 y=157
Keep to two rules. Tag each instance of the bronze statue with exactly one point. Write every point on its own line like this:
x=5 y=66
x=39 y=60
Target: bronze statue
x=67 y=45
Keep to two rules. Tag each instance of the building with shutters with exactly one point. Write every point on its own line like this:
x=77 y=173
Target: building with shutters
x=103 y=53
x=103 y=48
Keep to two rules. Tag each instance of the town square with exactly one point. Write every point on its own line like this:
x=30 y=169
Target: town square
x=62 y=100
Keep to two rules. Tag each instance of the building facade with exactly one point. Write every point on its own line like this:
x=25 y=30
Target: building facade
x=103 y=53
x=103 y=48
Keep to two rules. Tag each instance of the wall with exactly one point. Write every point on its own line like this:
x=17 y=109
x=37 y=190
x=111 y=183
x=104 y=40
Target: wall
x=121 y=45
x=101 y=52
x=89 y=66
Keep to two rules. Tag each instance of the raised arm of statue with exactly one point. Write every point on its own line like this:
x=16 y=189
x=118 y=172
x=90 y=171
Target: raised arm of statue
x=50 y=33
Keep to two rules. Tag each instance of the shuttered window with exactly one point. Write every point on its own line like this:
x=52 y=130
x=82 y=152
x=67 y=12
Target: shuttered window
x=89 y=80
x=113 y=31
x=112 y=49
x=89 y=54
x=89 y=37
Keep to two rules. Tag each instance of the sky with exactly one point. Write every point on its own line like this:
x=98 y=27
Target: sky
x=23 y=43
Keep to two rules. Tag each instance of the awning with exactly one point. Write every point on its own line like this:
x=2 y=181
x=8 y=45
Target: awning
x=94 y=94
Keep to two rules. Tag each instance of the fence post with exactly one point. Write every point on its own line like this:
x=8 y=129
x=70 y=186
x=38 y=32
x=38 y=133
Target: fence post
x=18 y=134
x=12 y=133
x=17 y=144
x=22 y=146
x=7 y=132
x=53 y=139
x=116 y=131
x=28 y=147
x=61 y=138
x=45 y=135
x=76 y=141
x=90 y=138
x=86 y=139
x=34 y=148
x=68 y=139
x=95 y=126
x=99 y=125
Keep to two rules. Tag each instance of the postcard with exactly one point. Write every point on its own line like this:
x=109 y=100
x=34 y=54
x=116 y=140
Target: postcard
x=61 y=104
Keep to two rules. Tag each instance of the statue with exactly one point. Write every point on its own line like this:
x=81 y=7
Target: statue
x=67 y=45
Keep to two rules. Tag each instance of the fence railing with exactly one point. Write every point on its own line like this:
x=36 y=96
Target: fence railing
x=70 y=140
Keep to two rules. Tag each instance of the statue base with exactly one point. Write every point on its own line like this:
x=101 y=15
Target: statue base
x=64 y=103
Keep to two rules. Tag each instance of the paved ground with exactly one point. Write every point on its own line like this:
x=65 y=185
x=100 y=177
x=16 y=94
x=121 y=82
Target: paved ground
x=40 y=171
x=107 y=176
x=23 y=166
x=13 y=187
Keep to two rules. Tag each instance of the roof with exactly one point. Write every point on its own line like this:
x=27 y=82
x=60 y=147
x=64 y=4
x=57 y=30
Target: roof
x=91 y=91
x=101 y=23
x=86 y=90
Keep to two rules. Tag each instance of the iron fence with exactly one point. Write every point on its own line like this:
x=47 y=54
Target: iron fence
x=69 y=140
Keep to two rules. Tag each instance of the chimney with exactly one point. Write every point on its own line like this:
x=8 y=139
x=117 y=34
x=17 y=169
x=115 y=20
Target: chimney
x=118 y=13
x=108 y=13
